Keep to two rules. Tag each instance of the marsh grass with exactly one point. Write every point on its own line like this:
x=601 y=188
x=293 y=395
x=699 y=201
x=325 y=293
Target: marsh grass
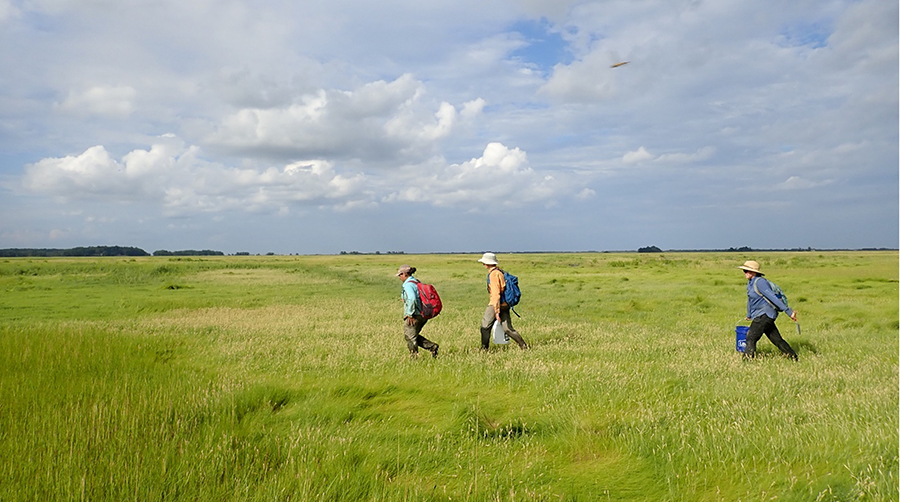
x=286 y=378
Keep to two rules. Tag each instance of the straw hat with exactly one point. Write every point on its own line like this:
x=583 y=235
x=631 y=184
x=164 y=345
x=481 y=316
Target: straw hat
x=751 y=266
x=488 y=259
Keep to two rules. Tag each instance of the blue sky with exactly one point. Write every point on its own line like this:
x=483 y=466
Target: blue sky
x=322 y=126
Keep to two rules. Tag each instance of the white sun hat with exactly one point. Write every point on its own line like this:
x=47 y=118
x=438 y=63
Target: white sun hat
x=488 y=259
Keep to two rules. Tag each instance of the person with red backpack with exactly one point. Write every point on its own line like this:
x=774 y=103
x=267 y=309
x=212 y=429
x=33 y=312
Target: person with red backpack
x=498 y=307
x=413 y=318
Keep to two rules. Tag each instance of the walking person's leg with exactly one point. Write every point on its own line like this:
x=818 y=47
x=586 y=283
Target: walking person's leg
x=423 y=342
x=775 y=337
x=757 y=327
x=411 y=334
x=487 y=322
x=506 y=323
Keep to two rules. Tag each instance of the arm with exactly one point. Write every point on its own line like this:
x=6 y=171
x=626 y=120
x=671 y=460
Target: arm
x=495 y=289
x=748 y=299
x=410 y=297
x=766 y=291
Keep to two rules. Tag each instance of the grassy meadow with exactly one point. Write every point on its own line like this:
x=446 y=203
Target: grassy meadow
x=287 y=378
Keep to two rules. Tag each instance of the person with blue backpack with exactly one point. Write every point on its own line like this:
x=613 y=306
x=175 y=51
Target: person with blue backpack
x=503 y=293
x=763 y=304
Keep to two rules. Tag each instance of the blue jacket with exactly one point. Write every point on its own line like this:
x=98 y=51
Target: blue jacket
x=757 y=305
x=410 y=294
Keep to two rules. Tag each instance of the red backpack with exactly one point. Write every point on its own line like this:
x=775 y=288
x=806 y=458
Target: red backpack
x=431 y=302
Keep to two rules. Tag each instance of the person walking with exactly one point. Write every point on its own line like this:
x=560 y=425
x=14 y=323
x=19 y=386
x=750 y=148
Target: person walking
x=413 y=322
x=497 y=310
x=762 y=308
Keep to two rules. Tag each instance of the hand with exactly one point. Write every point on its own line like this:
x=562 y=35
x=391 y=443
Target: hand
x=410 y=320
x=794 y=315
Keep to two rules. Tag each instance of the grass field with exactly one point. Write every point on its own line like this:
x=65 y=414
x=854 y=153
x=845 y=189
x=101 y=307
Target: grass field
x=287 y=378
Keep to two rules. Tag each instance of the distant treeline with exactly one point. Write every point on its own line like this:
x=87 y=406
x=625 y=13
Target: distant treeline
x=188 y=252
x=102 y=251
x=376 y=252
x=79 y=251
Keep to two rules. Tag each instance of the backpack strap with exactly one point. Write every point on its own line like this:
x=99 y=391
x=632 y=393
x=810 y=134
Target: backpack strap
x=756 y=288
x=418 y=294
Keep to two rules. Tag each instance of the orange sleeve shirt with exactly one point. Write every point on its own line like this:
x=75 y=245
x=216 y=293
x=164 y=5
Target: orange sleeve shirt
x=496 y=285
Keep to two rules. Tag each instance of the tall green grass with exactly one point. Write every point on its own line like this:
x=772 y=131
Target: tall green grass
x=286 y=378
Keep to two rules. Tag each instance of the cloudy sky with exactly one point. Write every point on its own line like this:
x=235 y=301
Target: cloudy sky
x=324 y=126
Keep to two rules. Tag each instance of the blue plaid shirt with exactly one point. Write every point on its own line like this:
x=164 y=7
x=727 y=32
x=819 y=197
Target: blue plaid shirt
x=757 y=305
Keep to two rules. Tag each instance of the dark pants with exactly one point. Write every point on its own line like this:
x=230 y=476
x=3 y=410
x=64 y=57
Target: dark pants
x=766 y=325
x=487 y=322
x=414 y=339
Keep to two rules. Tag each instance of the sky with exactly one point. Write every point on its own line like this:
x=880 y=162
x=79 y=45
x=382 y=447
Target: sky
x=329 y=126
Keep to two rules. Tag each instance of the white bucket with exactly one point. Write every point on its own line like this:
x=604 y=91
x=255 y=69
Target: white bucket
x=500 y=337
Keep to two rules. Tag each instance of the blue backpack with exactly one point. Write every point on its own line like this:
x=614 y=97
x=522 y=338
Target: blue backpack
x=512 y=294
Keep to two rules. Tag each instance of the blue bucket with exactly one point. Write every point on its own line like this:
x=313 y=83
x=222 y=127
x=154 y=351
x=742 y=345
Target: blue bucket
x=740 y=337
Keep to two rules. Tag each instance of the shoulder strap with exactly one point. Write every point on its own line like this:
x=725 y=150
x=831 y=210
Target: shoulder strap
x=756 y=288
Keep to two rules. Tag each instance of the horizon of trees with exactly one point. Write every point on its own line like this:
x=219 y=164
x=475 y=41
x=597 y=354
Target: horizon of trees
x=95 y=251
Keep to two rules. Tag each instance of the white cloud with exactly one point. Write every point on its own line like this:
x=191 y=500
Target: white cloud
x=587 y=193
x=472 y=109
x=377 y=121
x=798 y=183
x=93 y=172
x=501 y=177
x=102 y=100
x=176 y=178
x=702 y=154
x=637 y=156
x=641 y=155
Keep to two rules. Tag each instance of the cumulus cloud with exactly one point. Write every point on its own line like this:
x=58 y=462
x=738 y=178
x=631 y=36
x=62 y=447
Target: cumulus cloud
x=472 y=109
x=377 y=121
x=500 y=177
x=94 y=172
x=175 y=177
